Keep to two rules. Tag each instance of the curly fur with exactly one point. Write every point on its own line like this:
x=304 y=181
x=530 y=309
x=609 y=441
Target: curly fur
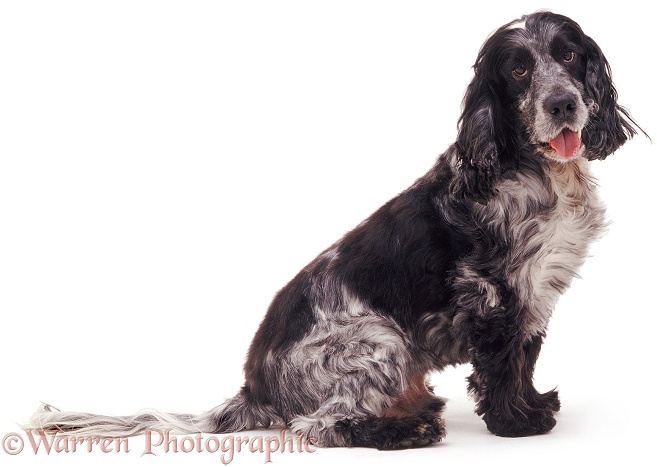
x=464 y=266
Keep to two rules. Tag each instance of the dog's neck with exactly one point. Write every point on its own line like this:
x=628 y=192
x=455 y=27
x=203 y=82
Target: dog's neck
x=571 y=181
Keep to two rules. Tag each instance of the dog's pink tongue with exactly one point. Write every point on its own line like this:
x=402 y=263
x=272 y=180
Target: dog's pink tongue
x=566 y=143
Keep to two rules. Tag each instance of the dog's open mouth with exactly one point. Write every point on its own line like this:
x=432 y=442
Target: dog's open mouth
x=566 y=144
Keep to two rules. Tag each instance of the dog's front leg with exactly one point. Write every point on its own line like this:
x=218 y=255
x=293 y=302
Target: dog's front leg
x=501 y=382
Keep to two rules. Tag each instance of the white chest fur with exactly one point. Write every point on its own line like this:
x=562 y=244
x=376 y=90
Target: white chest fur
x=549 y=227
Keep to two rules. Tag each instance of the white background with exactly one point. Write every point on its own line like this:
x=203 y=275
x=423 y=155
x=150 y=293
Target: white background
x=166 y=167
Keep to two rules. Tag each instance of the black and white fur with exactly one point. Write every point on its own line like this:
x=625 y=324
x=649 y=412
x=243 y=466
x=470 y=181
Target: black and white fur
x=464 y=266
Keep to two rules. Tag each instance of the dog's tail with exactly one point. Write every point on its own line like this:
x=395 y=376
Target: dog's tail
x=236 y=414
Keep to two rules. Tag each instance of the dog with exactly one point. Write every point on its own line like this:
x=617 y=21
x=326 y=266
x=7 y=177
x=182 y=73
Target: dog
x=466 y=265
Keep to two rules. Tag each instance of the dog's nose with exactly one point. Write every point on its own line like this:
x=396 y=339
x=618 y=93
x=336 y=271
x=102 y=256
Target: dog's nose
x=561 y=106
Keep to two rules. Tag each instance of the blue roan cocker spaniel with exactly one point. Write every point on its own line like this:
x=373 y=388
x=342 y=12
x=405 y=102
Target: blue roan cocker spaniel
x=464 y=266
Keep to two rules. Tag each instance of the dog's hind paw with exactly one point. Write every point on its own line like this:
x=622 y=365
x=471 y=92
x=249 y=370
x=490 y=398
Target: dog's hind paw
x=395 y=433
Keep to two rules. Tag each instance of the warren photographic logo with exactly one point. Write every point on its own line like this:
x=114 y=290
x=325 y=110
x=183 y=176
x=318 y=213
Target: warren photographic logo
x=155 y=442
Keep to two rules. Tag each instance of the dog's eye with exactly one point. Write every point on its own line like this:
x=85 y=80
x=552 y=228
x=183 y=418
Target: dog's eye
x=568 y=56
x=520 y=70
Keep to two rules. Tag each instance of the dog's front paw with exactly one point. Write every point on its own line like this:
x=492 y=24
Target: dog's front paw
x=535 y=422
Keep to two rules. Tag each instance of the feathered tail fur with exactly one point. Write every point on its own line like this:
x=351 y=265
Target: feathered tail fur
x=236 y=414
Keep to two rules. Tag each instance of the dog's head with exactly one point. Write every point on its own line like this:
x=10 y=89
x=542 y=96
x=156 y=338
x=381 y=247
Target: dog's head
x=539 y=83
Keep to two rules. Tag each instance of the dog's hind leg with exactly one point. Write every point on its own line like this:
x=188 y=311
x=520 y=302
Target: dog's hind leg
x=412 y=419
x=365 y=394
x=354 y=379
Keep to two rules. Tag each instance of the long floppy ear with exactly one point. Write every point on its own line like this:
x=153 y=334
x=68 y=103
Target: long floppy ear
x=610 y=125
x=483 y=138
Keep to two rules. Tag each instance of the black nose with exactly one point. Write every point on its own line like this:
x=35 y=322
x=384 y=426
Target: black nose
x=561 y=106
